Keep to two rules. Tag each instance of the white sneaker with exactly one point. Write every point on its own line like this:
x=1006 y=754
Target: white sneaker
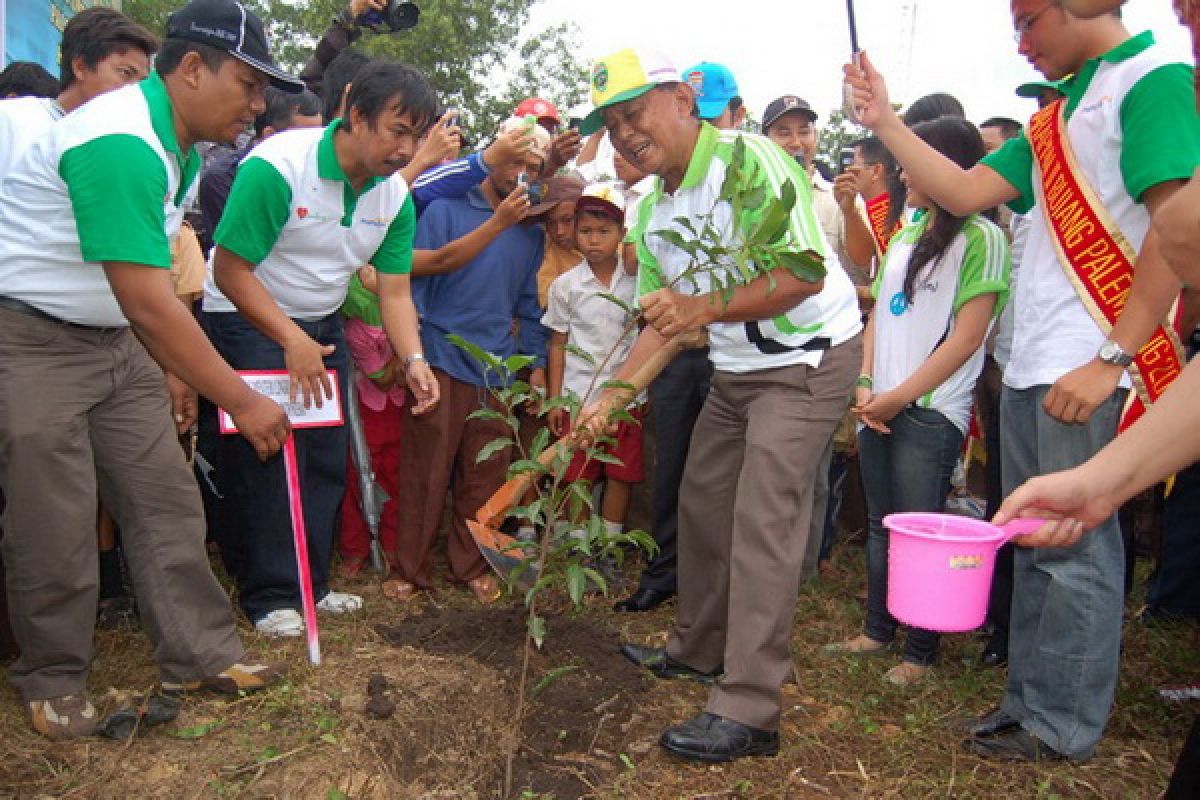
x=340 y=603
x=280 y=623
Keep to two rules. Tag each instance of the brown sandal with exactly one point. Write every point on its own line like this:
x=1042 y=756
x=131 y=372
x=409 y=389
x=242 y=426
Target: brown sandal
x=486 y=588
x=398 y=590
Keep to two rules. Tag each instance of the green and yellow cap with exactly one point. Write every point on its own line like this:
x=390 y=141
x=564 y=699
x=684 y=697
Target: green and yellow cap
x=622 y=76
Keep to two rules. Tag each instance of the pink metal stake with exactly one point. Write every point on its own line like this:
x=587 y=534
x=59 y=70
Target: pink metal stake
x=300 y=540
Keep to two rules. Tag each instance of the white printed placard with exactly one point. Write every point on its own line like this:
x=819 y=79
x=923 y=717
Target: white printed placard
x=276 y=384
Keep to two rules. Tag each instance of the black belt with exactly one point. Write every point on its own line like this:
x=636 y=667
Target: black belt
x=21 y=307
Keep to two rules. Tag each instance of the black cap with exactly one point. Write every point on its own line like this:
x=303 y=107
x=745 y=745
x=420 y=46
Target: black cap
x=785 y=105
x=227 y=25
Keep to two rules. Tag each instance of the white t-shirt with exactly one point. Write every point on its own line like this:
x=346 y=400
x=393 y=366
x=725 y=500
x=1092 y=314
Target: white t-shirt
x=592 y=323
x=906 y=333
x=24 y=120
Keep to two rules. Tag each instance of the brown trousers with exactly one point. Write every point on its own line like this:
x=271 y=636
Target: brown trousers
x=437 y=454
x=85 y=412
x=744 y=510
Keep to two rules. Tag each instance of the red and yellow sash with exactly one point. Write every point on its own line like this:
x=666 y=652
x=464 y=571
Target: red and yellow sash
x=1096 y=256
x=878 y=208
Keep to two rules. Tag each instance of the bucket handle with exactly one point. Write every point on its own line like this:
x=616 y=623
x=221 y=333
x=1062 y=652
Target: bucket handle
x=1021 y=526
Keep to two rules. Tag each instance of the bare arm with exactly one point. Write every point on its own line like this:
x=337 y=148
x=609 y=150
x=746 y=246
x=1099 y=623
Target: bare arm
x=671 y=312
x=464 y=249
x=402 y=328
x=303 y=355
x=859 y=242
x=171 y=335
x=959 y=191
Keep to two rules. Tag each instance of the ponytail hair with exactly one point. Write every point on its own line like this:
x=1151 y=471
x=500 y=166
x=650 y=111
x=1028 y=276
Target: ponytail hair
x=958 y=140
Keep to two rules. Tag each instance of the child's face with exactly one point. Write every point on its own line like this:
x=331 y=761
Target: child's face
x=560 y=225
x=598 y=237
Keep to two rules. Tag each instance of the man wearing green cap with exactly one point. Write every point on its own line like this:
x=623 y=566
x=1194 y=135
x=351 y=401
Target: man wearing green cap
x=785 y=352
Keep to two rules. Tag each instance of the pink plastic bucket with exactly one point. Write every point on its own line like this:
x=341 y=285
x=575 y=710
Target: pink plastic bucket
x=940 y=568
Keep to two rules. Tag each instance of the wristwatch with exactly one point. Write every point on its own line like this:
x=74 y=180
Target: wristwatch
x=1111 y=353
x=410 y=358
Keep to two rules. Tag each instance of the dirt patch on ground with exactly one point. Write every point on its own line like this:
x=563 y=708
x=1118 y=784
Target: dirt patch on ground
x=583 y=696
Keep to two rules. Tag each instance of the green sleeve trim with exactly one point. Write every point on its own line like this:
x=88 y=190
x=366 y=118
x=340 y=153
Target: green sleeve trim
x=117 y=184
x=1160 y=130
x=1014 y=162
x=986 y=265
x=395 y=253
x=260 y=201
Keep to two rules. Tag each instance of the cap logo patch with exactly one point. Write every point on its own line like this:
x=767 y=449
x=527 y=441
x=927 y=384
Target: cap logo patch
x=600 y=77
x=695 y=79
x=301 y=212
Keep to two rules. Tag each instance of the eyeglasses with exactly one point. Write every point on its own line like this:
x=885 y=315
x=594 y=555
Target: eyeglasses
x=1024 y=25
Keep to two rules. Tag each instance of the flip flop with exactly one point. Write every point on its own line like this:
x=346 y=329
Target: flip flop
x=398 y=590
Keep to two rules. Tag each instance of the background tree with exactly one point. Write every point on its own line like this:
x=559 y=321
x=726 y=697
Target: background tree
x=836 y=133
x=477 y=53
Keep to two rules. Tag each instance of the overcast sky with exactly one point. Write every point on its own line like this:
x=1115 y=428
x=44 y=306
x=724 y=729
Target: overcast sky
x=776 y=47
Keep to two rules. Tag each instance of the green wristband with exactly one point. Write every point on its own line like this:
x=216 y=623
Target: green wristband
x=864 y=382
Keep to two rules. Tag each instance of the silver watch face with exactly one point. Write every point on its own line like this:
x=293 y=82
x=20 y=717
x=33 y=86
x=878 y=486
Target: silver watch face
x=1111 y=353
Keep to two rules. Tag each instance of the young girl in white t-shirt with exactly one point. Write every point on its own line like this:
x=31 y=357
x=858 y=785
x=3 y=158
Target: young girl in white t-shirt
x=943 y=282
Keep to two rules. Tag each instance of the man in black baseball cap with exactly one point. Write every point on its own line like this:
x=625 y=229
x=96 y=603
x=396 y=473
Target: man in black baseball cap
x=227 y=25
x=87 y=218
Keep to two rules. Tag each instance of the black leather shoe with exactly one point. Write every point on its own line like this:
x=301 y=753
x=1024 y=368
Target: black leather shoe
x=995 y=653
x=1013 y=745
x=663 y=666
x=713 y=739
x=644 y=600
x=993 y=723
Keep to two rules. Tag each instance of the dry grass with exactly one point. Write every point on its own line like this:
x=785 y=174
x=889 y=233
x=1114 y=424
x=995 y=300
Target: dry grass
x=845 y=733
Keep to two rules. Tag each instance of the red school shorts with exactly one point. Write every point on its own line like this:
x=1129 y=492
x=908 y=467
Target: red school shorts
x=628 y=448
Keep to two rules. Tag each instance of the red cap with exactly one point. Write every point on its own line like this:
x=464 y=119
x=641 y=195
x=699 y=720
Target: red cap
x=537 y=107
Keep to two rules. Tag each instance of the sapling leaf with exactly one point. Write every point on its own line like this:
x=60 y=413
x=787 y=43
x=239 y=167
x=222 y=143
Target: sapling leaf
x=525 y=465
x=620 y=303
x=540 y=440
x=536 y=626
x=492 y=448
x=688 y=246
x=617 y=385
x=552 y=677
x=475 y=351
x=579 y=352
x=488 y=414
x=806 y=266
x=517 y=362
x=597 y=579
x=607 y=458
x=576 y=583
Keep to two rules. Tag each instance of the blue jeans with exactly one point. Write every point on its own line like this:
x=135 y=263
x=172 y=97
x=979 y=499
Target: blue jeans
x=255 y=519
x=906 y=470
x=1065 y=632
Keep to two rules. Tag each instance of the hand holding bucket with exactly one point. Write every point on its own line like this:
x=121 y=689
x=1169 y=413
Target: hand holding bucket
x=940 y=567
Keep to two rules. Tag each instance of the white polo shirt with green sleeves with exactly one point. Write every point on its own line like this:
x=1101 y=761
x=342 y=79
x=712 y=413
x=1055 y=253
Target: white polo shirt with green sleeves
x=799 y=336
x=106 y=183
x=293 y=213
x=1131 y=119
x=976 y=262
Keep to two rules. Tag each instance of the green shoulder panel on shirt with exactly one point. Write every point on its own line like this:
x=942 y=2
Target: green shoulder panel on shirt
x=258 y=207
x=1160 y=129
x=395 y=253
x=650 y=276
x=986 y=264
x=117 y=185
x=1014 y=162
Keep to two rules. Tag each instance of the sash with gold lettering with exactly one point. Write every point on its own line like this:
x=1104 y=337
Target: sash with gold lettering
x=878 y=208
x=1097 y=257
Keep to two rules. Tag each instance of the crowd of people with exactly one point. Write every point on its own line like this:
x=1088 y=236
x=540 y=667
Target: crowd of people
x=1030 y=282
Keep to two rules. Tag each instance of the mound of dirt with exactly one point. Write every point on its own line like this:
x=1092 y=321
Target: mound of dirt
x=584 y=695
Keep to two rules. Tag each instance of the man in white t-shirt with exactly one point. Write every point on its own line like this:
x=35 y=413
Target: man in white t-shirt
x=101 y=50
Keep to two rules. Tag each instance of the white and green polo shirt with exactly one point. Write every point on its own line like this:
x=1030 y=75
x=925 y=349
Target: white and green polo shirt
x=799 y=336
x=23 y=121
x=1131 y=119
x=293 y=213
x=906 y=333
x=106 y=183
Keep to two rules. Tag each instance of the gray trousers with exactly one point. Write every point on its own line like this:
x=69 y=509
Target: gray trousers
x=744 y=512
x=1065 y=634
x=85 y=413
